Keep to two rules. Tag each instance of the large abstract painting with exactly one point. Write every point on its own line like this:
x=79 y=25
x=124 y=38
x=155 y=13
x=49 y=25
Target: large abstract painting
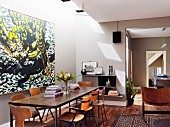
x=26 y=52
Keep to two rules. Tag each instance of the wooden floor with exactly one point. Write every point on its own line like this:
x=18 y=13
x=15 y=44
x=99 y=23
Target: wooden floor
x=112 y=112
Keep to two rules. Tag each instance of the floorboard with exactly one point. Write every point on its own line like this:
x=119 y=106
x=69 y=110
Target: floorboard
x=112 y=113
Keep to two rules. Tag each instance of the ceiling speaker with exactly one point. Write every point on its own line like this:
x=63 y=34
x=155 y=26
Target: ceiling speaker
x=117 y=37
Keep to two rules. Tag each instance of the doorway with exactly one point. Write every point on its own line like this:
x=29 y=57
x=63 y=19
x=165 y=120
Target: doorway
x=155 y=65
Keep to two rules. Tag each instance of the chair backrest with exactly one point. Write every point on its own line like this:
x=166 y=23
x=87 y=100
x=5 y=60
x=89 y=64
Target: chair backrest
x=103 y=93
x=85 y=102
x=85 y=83
x=155 y=96
x=20 y=114
x=35 y=91
x=94 y=95
x=17 y=97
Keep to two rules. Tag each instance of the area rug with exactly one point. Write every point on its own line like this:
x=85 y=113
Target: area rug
x=137 y=121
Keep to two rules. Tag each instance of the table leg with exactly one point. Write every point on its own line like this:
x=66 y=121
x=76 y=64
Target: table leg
x=11 y=119
x=56 y=117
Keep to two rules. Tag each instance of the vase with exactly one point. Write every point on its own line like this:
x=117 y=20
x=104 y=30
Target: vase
x=67 y=88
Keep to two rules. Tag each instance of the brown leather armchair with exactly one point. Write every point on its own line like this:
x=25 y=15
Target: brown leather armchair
x=155 y=97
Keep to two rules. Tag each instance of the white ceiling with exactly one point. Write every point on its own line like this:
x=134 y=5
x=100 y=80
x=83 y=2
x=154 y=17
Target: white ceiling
x=117 y=10
x=151 y=32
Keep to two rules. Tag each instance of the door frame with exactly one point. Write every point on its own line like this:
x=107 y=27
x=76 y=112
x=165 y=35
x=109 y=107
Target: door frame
x=147 y=68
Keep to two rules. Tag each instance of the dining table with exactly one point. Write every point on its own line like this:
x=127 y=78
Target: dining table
x=51 y=102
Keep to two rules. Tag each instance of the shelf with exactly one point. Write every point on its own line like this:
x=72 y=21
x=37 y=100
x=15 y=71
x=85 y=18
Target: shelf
x=121 y=97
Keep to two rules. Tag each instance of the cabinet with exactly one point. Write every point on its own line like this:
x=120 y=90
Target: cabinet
x=100 y=80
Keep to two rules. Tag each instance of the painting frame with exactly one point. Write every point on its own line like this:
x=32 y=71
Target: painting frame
x=89 y=67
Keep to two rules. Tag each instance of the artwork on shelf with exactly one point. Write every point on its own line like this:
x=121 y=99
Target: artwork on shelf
x=89 y=67
x=26 y=52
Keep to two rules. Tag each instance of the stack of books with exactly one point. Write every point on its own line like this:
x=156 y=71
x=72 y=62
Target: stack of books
x=53 y=91
x=113 y=93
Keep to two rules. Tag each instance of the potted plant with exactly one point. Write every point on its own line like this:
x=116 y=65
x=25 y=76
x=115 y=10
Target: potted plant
x=131 y=91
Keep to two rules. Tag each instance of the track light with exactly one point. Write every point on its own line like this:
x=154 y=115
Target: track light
x=79 y=11
x=65 y=0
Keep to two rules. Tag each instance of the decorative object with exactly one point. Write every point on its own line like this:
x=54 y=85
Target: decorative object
x=29 y=42
x=89 y=67
x=110 y=70
x=65 y=77
x=98 y=70
x=83 y=72
x=131 y=91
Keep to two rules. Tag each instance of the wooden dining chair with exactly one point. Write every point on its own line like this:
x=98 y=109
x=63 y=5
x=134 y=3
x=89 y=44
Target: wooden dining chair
x=100 y=103
x=85 y=83
x=20 y=114
x=36 y=91
x=21 y=96
x=74 y=117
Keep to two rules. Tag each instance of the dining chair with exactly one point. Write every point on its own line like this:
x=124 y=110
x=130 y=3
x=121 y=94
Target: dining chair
x=100 y=103
x=80 y=112
x=85 y=83
x=21 y=113
x=21 y=96
x=36 y=91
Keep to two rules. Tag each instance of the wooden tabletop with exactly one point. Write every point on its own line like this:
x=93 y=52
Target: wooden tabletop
x=40 y=100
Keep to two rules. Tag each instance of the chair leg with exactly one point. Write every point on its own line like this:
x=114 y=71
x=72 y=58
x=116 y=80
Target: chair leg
x=86 y=122
x=143 y=112
x=98 y=110
x=104 y=113
x=94 y=118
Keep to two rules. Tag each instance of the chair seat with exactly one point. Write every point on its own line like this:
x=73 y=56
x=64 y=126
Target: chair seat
x=33 y=124
x=68 y=116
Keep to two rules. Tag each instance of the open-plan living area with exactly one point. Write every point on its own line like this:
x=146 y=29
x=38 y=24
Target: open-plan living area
x=97 y=63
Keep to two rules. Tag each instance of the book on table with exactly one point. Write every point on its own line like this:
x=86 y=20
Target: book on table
x=53 y=95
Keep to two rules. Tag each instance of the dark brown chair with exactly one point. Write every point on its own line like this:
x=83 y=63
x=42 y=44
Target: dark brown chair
x=85 y=83
x=36 y=91
x=21 y=96
x=20 y=114
x=99 y=104
x=74 y=117
x=155 y=97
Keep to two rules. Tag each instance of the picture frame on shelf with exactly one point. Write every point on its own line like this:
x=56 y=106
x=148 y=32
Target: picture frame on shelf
x=89 y=66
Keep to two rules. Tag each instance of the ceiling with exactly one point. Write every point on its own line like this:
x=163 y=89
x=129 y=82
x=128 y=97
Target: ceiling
x=117 y=10
x=151 y=32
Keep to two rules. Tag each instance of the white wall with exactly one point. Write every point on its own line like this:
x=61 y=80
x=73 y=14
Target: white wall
x=94 y=43
x=63 y=16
